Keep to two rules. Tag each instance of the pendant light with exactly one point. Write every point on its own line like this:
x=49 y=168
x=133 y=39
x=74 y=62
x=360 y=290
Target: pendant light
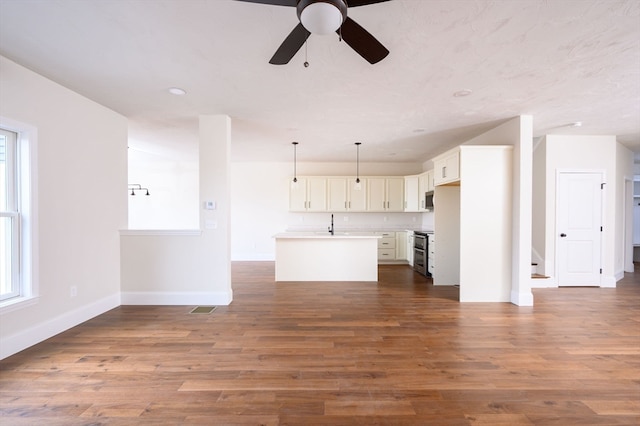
x=294 y=183
x=358 y=185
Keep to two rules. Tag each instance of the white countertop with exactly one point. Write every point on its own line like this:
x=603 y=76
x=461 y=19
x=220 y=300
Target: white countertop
x=326 y=234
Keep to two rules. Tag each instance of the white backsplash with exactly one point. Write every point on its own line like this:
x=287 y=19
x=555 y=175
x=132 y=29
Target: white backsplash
x=360 y=221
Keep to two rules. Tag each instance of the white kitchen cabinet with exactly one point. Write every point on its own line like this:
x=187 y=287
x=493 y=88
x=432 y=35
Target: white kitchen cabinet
x=401 y=246
x=412 y=193
x=431 y=245
x=425 y=184
x=387 y=246
x=344 y=195
x=357 y=193
x=447 y=167
x=409 y=246
x=385 y=194
x=308 y=195
x=337 y=198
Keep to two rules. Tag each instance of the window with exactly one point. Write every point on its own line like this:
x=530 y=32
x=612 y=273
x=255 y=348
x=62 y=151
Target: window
x=18 y=215
x=9 y=217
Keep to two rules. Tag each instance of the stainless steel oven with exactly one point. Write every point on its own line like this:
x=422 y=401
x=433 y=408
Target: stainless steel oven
x=420 y=253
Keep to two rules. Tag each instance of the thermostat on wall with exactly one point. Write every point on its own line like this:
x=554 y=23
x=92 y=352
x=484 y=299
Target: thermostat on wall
x=209 y=205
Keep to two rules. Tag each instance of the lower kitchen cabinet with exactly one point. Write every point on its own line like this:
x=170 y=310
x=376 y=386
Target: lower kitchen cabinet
x=393 y=246
x=430 y=255
x=387 y=246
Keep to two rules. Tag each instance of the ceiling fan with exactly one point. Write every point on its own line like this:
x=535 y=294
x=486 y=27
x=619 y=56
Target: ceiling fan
x=325 y=17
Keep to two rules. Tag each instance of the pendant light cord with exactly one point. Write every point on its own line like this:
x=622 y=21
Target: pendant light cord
x=295 y=145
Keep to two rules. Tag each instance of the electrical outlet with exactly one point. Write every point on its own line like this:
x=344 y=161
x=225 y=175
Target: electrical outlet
x=346 y=218
x=73 y=290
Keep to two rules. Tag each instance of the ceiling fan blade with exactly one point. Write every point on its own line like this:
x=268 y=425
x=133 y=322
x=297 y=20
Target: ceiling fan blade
x=290 y=45
x=293 y=3
x=355 y=3
x=362 y=41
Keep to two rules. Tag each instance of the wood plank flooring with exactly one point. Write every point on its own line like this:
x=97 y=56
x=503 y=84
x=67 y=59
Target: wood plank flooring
x=399 y=352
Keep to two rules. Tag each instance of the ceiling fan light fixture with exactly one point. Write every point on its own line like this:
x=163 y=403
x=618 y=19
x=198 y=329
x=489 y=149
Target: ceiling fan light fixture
x=322 y=16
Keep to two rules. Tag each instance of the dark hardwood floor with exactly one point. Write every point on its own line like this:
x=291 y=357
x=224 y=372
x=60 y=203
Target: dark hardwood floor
x=399 y=352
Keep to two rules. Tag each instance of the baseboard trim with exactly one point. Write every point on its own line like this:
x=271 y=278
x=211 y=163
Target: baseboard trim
x=522 y=299
x=177 y=298
x=608 y=281
x=17 y=342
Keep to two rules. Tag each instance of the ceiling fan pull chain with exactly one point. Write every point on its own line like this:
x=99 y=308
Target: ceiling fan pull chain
x=306 y=63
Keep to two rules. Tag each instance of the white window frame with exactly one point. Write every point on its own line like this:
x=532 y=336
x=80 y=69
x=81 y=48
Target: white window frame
x=12 y=213
x=27 y=221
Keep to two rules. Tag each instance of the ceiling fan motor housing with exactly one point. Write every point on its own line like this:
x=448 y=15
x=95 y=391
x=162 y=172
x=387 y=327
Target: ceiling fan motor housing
x=322 y=16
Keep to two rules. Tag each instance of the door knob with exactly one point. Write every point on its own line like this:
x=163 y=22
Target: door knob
x=563 y=235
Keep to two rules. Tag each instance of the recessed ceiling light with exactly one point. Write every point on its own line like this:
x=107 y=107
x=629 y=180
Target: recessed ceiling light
x=462 y=93
x=177 y=91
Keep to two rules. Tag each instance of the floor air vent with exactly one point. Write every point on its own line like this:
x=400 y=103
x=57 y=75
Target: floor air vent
x=203 y=310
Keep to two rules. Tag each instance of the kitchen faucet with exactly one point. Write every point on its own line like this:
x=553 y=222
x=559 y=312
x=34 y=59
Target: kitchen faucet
x=331 y=227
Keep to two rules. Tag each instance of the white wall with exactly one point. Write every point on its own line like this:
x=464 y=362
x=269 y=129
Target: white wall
x=260 y=203
x=173 y=185
x=624 y=214
x=81 y=204
x=174 y=268
x=519 y=133
x=259 y=200
x=486 y=214
x=539 y=207
x=584 y=153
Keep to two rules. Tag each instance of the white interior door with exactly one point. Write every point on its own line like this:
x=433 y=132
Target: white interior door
x=579 y=229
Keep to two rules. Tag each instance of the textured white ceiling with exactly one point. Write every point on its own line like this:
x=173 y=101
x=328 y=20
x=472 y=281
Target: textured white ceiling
x=560 y=61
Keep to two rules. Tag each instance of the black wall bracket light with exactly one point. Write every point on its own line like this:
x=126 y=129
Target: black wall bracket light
x=133 y=187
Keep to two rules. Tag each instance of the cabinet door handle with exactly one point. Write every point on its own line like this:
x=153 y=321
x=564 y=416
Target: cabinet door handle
x=345 y=204
x=444 y=171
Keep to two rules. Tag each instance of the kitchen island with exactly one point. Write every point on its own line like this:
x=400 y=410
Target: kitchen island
x=321 y=256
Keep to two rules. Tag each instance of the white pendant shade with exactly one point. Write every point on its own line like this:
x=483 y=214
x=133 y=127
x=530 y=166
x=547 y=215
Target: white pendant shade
x=321 y=18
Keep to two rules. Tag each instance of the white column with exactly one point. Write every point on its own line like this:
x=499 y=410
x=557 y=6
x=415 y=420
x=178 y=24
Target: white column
x=522 y=216
x=214 y=170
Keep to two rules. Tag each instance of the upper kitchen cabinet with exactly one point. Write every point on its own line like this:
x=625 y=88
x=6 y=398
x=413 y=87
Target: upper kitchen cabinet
x=447 y=167
x=357 y=192
x=425 y=184
x=385 y=194
x=412 y=197
x=346 y=195
x=308 y=195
